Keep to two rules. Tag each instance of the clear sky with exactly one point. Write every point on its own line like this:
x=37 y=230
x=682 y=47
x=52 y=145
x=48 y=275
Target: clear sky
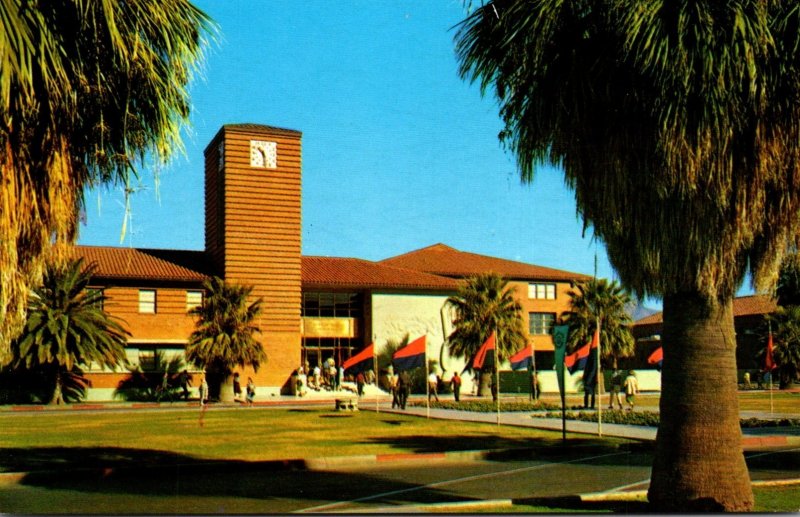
x=398 y=152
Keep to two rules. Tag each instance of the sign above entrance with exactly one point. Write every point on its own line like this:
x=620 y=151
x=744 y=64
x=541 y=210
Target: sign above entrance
x=329 y=327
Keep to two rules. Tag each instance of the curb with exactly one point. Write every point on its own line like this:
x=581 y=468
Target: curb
x=633 y=496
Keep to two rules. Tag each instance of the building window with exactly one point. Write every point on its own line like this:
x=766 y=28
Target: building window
x=541 y=323
x=332 y=305
x=193 y=299
x=147 y=301
x=542 y=291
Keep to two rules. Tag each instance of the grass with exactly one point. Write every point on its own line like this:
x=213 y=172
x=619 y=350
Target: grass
x=242 y=435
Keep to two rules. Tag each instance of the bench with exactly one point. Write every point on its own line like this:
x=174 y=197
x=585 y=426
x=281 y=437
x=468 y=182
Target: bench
x=348 y=404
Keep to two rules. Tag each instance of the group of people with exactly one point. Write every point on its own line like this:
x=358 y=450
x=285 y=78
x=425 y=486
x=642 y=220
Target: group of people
x=321 y=377
x=400 y=387
x=631 y=386
x=250 y=390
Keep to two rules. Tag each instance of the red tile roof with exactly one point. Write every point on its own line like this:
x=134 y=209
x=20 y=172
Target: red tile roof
x=146 y=264
x=742 y=306
x=440 y=259
x=352 y=273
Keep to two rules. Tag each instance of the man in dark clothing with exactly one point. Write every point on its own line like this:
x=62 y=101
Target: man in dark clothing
x=403 y=388
x=455 y=384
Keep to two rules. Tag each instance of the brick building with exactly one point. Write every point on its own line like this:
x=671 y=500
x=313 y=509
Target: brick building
x=314 y=308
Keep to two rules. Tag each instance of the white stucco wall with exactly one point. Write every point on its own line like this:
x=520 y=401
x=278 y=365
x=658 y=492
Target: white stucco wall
x=395 y=315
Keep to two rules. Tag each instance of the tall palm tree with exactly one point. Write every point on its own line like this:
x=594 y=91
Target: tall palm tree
x=68 y=328
x=225 y=333
x=675 y=124
x=87 y=90
x=785 y=326
x=485 y=304
x=606 y=301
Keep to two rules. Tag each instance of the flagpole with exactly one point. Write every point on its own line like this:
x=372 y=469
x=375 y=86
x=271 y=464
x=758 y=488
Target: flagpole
x=534 y=387
x=563 y=389
x=497 y=373
x=597 y=385
x=769 y=352
x=427 y=385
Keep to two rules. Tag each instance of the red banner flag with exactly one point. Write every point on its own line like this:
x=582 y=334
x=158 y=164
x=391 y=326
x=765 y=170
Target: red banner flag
x=656 y=358
x=410 y=356
x=480 y=357
x=361 y=361
x=769 y=362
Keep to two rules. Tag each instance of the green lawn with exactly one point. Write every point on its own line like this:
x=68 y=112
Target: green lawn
x=245 y=434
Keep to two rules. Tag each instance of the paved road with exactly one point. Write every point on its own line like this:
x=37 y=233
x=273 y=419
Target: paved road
x=373 y=487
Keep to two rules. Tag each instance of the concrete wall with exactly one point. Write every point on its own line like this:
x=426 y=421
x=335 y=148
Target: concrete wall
x=395 y=315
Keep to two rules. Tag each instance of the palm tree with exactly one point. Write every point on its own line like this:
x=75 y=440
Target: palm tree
x=484 y=304
x=225 y=333
x=87 y=90
x=604 y=300
x=787 y=290
x=785 y=325
x=675 y=125
x=67 y=328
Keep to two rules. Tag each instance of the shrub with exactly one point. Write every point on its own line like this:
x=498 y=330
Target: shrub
x=488 y=406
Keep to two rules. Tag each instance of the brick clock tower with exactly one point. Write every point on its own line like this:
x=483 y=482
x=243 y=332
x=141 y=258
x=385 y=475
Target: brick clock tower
x=253 y=232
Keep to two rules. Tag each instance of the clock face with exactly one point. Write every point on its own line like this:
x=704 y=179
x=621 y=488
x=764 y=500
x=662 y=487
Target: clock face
x=263 y=154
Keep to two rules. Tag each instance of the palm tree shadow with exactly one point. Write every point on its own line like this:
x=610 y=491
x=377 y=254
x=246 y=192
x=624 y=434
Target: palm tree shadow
x=110 y=470
x=502 y=449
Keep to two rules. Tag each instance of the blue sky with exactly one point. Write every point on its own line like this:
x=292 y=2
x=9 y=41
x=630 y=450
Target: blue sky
x=398 y=152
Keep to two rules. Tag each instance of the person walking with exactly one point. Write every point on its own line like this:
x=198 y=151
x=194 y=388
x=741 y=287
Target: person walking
x=237 y=387
x=360 y=381
x=536 y=388
x=394 y=387
x=251 y=391
x=455 y=385
x=615 y=390
x=433 y=385
x=631 y=389
x=404 y=388
x=203 y=391
x=184 y=379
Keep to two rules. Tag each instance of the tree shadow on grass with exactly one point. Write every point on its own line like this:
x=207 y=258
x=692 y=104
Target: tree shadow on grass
x=500 y=448
x=109 y=470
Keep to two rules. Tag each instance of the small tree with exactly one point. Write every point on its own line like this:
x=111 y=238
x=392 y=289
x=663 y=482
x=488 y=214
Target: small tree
x=68 y=328
x=224 y=335
x=599 y=298
x=484 y=304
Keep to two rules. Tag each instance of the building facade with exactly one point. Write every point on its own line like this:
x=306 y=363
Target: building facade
x=314 y=308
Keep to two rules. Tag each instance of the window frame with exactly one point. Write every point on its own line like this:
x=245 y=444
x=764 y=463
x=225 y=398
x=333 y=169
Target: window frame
x=540 y=318
x=542 y=291
x=144 y=303
x=191 y=305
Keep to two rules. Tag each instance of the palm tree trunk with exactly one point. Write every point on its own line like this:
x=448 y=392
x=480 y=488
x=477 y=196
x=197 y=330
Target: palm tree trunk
x=58 y=394
x=698 y=464
x=226 y=389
